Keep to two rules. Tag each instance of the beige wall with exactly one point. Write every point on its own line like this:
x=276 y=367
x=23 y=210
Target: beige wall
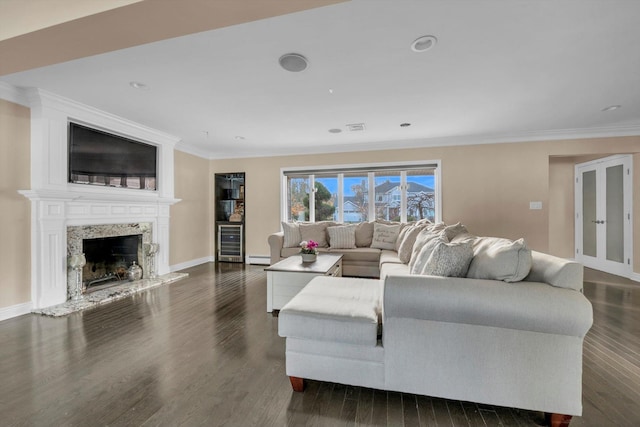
x=487 y=187
x=15 y=212
x=191 y=218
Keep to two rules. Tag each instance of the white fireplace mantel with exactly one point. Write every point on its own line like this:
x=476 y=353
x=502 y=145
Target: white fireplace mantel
x=57 y=204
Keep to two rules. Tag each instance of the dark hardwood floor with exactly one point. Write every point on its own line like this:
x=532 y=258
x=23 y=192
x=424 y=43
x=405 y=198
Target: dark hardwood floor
x=204 y=352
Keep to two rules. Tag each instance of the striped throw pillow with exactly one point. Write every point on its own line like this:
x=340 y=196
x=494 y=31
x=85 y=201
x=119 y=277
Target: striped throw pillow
x=342 y=236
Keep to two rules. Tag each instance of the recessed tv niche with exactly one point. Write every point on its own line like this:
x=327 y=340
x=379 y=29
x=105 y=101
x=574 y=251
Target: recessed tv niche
x=101 y=158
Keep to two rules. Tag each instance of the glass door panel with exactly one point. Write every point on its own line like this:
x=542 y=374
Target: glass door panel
x=615 y=213
x=589 y=214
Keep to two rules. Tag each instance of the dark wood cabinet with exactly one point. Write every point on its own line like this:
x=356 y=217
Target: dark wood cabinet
x=230 y=218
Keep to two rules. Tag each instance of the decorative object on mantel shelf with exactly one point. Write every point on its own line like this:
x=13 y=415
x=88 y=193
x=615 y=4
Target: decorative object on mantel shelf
x=76 y=262
x=134 y=272
x=151 y=249
x=309 y=251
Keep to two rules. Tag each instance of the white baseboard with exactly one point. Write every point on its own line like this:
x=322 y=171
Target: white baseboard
x=258 y=259
x=191 y=263
x=15 y=310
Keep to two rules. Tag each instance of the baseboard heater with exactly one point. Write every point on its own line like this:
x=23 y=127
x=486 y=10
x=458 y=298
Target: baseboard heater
x=258 y=259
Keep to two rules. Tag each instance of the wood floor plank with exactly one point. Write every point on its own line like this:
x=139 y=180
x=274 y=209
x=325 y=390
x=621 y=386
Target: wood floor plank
x=204 y=351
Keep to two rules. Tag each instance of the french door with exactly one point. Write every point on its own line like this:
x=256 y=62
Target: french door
x=603 y=214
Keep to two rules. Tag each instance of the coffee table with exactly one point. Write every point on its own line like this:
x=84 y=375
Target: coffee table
x=287 y=277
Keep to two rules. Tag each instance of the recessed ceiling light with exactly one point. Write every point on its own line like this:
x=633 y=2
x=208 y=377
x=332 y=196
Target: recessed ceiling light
x=611 y=107
x=293 y=62
x=139 y=85
x=238 y=138
x=335 y=130
x=424 y=43
x=405 y=125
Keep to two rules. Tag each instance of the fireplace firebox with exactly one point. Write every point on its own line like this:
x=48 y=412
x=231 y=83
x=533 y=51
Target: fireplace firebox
x=108 y=259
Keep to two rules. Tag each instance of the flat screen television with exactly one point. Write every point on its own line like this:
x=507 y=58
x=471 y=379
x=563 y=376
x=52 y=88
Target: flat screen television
x=100 y=158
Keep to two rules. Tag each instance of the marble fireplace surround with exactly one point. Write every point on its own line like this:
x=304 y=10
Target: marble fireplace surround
x=57 y=205
x=76 y=235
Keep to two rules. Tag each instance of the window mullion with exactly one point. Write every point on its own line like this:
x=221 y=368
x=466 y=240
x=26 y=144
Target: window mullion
x=340 y=197
x=404 y=188
x=312 y=198
x=372 y=196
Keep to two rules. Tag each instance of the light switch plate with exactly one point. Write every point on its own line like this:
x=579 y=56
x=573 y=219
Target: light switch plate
x=535 y=205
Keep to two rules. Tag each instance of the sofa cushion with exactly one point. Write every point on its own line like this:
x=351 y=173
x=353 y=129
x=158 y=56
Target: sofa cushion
x=292 y=237
x=364 y=234
x=316 y=231
x=388 y=256
x=385 y=235
x=335 y=309
x=449 y=260
x=395 y=269
x=342 y=236
x=406 y=241
x=500 y=259
x=416 y=266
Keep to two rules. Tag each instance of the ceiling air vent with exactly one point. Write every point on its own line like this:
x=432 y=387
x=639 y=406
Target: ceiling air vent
x=355 y=127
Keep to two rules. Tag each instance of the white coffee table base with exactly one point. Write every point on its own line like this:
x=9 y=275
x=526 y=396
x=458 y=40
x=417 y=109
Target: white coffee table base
x=287 y=277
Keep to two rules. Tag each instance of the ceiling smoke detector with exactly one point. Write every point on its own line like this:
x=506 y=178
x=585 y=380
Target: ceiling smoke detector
x=293 y=62
x=355 y=127
x=424 y=43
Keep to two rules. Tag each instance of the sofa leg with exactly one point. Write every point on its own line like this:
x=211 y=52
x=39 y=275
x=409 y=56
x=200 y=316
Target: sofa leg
x=297 y=383
x=557 y=420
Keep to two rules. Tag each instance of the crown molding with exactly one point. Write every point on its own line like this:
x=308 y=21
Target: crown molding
x=14 y=94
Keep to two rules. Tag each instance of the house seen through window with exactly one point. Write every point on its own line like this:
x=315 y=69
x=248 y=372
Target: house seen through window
x=399 y=193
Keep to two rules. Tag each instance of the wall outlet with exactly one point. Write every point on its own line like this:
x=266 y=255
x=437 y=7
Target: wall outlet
x=535 y=205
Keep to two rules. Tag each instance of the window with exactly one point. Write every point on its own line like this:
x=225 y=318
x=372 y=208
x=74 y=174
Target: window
x=401 y=192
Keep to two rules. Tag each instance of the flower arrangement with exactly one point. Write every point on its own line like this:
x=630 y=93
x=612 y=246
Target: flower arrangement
x=309 y=247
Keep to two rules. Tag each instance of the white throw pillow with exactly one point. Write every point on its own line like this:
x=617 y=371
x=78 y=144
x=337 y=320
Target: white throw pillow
x=385 y=236
x=500 y=259
x=407 y=239
x=449 y=260
x=342 y=236
x=417 y=263
x=423 y=237
x=292 y=236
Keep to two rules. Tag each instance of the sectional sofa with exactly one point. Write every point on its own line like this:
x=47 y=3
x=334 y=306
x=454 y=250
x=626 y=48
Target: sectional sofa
x=508 y=331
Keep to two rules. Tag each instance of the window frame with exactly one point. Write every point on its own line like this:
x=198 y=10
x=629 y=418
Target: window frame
x=365 y=168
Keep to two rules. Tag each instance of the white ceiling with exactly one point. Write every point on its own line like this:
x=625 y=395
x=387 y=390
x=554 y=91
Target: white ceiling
x=501 y=71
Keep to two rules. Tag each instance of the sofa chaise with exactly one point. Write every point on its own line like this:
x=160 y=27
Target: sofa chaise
x=514 y=340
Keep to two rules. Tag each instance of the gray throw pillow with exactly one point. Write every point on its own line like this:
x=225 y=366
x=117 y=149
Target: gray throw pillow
x=292 y=236
x=316 y=232
x=342 y=236
x=449 y=260
x=364 y=234
x=500 y=259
